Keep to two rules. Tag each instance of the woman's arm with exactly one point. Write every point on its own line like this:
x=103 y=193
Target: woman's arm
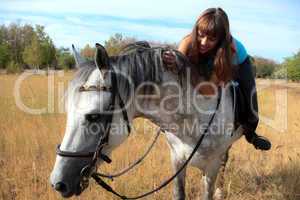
x=184 y=44
x=168 y=56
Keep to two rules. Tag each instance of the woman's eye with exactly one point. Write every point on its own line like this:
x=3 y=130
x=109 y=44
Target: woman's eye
x=212 y=39
x=201 y=36
x=92 y=117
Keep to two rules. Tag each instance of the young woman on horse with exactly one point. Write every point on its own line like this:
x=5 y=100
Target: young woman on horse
x=218 y=57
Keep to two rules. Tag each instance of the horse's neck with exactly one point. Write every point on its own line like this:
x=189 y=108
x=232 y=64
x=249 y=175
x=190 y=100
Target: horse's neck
x=166 y=106
x=186 y=114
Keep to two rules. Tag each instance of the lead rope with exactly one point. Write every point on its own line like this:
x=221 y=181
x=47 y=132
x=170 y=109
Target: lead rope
x=165 y=183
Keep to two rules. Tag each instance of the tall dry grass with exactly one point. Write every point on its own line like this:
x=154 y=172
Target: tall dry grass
x=27 y=151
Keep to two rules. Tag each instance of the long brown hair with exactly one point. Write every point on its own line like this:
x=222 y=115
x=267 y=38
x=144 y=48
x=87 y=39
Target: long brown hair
x=214 y=23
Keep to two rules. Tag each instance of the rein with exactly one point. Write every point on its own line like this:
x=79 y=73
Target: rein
x=122 y=172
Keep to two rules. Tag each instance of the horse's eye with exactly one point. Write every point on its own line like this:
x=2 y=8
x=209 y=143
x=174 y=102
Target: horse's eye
x=93 y=117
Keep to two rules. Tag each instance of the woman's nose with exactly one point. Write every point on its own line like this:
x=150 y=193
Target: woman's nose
x=204 y=41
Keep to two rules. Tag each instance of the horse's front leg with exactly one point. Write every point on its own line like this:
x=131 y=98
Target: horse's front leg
x=179 y=181
x=209 y=179
x=220 y=192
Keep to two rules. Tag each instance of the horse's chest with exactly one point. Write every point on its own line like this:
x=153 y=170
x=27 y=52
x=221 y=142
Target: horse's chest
x=209 y=150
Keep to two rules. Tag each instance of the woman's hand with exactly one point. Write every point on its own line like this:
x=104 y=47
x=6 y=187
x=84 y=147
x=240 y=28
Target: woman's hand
x=169 y=60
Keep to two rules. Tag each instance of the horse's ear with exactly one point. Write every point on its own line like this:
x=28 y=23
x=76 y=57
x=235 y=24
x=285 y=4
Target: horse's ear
x=78 y=59
x=101 y=57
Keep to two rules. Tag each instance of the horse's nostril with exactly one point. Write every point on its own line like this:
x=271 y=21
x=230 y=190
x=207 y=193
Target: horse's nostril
x=60 y=187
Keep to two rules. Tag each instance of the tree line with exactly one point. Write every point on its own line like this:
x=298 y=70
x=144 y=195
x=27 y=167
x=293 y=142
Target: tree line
x=27 y=47
x=267 y=68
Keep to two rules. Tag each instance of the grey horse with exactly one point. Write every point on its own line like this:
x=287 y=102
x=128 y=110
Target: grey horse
x=151 y=91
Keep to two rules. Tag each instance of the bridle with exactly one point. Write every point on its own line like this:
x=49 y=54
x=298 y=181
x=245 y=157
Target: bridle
x=90 y=170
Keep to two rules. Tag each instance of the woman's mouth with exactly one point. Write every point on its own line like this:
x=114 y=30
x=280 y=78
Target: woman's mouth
x=203 y=49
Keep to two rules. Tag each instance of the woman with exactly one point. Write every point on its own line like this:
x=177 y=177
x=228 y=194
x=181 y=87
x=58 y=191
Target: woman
x=218 y=58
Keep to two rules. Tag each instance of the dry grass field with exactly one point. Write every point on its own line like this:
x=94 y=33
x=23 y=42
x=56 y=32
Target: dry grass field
x=27 y=149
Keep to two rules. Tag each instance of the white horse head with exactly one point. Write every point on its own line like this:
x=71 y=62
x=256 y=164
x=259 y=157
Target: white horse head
x=88 y=100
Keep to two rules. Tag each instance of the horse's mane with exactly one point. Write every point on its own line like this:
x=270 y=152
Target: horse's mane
x=144 y=63
x=133 y=47
x=138 y=62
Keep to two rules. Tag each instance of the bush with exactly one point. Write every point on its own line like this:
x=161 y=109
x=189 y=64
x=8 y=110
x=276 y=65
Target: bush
x=280 y=73
x=264 y=67
x=66 y=61
x=13 y=68
x=292 y=65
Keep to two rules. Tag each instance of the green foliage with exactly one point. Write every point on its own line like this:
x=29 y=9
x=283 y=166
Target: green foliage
x=115 y=43
x=32 y=54
x=4 y=55
x=27 y=46
x=48 y=52
x=13 y=68
x=65 y=60
x=264 y=68
x=88 y=52
x=280 y=73
x=292 y=65
x=40 y=52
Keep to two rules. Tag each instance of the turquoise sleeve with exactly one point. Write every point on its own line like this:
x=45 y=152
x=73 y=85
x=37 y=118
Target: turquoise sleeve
x=241 y=52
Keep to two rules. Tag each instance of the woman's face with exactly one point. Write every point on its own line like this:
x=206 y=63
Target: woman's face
x=206 y=42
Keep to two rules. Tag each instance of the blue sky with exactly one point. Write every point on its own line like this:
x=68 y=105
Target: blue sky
x=267 y=28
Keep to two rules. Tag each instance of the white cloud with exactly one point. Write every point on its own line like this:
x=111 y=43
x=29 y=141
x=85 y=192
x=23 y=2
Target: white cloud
x=75 y=20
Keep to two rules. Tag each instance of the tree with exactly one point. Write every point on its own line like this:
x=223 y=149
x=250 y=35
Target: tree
x=88 y=52
x=32 y=54
x=4 y=55
x=116 y=43
x=2 y=34
x=65 y=59
x=292 y=65
x=264 y=67
x=48 y=52
x=27 y=34
x=280 y=73
x=14 y=41
x=16 y=37
x=26 y=46
x=40 y=33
